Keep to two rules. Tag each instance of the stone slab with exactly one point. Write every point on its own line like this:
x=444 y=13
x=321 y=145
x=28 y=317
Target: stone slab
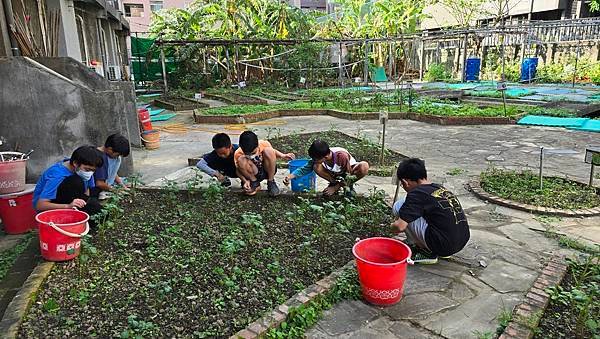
x=346 y=317
x=420 y=281
x=476 y=315
x=506 y=277
x=419 y=306
x=403 y=329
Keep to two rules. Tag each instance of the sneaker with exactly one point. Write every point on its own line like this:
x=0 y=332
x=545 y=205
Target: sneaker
x=226 y=182
x=423 y=257
x=272 y=188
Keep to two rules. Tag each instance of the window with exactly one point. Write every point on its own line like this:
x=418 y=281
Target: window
x=156 y=6
x=134 y=10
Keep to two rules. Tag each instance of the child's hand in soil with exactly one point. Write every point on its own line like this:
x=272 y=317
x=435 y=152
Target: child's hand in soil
x=246 y=186
x=286 y=180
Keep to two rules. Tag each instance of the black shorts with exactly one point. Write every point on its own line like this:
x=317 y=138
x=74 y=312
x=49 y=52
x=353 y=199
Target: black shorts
x=262 y=174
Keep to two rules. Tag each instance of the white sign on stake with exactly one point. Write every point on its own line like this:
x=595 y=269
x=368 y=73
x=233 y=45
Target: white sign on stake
x=198 y=96
x=302 y=80
x=242 y=84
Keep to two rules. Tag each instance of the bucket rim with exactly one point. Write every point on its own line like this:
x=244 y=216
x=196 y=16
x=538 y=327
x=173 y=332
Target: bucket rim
x=303 y=160
x=380 y=264
x=87 y=217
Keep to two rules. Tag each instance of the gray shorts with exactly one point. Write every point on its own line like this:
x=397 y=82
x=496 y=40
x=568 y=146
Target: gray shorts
x=415 y=231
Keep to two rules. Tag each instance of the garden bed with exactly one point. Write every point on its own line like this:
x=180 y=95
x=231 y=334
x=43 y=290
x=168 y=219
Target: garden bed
x=361 y=149
x=574 y=306
x=179 y=103
x=276 y=111
x=236 y=99
x=521 y=190
x=179 y=264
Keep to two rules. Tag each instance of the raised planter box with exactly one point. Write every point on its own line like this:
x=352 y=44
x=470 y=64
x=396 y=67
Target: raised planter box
x=428 y=118
x=179 y=104
x=475 y=187
x=234 y=99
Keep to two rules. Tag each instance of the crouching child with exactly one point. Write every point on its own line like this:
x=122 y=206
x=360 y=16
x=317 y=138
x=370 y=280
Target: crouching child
x=333 y=164
x=431 y=216
x=67 y=183
x=256 y=161
x=220 y=162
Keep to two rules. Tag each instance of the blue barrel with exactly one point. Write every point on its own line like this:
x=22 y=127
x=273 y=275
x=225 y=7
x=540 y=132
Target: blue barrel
x=472 y=69
x=528 y=69
x=305 y=183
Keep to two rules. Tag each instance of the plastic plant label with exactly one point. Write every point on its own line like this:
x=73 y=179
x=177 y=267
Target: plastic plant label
x=383 y=117
x=198 y=96
x=501 y=86
x=242 y=84
x=592 y=156
x=302 y=80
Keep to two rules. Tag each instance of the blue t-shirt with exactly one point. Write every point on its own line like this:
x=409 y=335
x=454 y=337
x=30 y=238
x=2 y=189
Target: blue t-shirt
x=50 y=180
x=109 y=169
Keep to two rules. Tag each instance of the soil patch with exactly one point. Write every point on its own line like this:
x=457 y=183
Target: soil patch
x=179 y=103
x=575 y=304
x=361 y=149
x=178 y=264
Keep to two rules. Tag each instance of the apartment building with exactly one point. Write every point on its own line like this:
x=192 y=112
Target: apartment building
x=139 y=12
x=438 y=16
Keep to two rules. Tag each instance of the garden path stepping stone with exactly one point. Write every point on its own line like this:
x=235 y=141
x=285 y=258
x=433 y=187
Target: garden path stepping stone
x=419 y=281
x=347 y=316
x=478 y=314
x=403 y=329
x=506 y=277
x=418 y=306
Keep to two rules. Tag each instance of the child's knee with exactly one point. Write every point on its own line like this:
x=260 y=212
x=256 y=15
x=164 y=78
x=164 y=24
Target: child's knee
x=269 y=154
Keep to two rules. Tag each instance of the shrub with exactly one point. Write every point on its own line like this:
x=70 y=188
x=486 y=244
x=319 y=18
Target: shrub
x=437 y=72
x=551 y=72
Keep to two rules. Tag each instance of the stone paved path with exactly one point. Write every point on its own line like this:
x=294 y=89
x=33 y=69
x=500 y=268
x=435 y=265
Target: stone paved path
x=461 y=297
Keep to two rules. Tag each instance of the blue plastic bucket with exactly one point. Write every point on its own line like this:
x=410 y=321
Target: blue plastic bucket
x=304 y=183
x=472 y=69
x=528 y=69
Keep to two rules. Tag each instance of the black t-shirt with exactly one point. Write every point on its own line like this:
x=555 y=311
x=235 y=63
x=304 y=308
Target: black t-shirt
x=448 y=230
x=227 y=166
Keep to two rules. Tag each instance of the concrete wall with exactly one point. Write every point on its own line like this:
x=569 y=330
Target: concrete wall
x=49 y=106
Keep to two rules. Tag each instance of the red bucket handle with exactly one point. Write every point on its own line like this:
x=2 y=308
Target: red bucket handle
x=69 y=234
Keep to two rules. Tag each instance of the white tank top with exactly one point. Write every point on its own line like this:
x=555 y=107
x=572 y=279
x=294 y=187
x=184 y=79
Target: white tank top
x=336 y=167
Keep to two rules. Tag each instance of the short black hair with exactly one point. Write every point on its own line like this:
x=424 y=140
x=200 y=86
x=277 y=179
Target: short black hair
x=221 y=140
x=118 y=143
x=318 y=150
x=248 y=142
x=87 y=155
x=412 y=169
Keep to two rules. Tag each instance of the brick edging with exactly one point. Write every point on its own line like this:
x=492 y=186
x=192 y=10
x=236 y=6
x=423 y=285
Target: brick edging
x=279 y=314
x=17 y=308
x=427 y=118
x=526 y=316
x=193 y=104
x=475 y=187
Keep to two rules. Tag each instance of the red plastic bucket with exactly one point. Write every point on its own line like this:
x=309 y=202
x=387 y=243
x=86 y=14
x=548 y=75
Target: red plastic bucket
x=381 y=264
x=144 y=116
x=16 y=211
x=61 y=232
x=12 y=173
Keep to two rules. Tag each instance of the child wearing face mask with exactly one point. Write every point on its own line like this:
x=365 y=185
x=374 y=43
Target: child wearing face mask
x=67 y=183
